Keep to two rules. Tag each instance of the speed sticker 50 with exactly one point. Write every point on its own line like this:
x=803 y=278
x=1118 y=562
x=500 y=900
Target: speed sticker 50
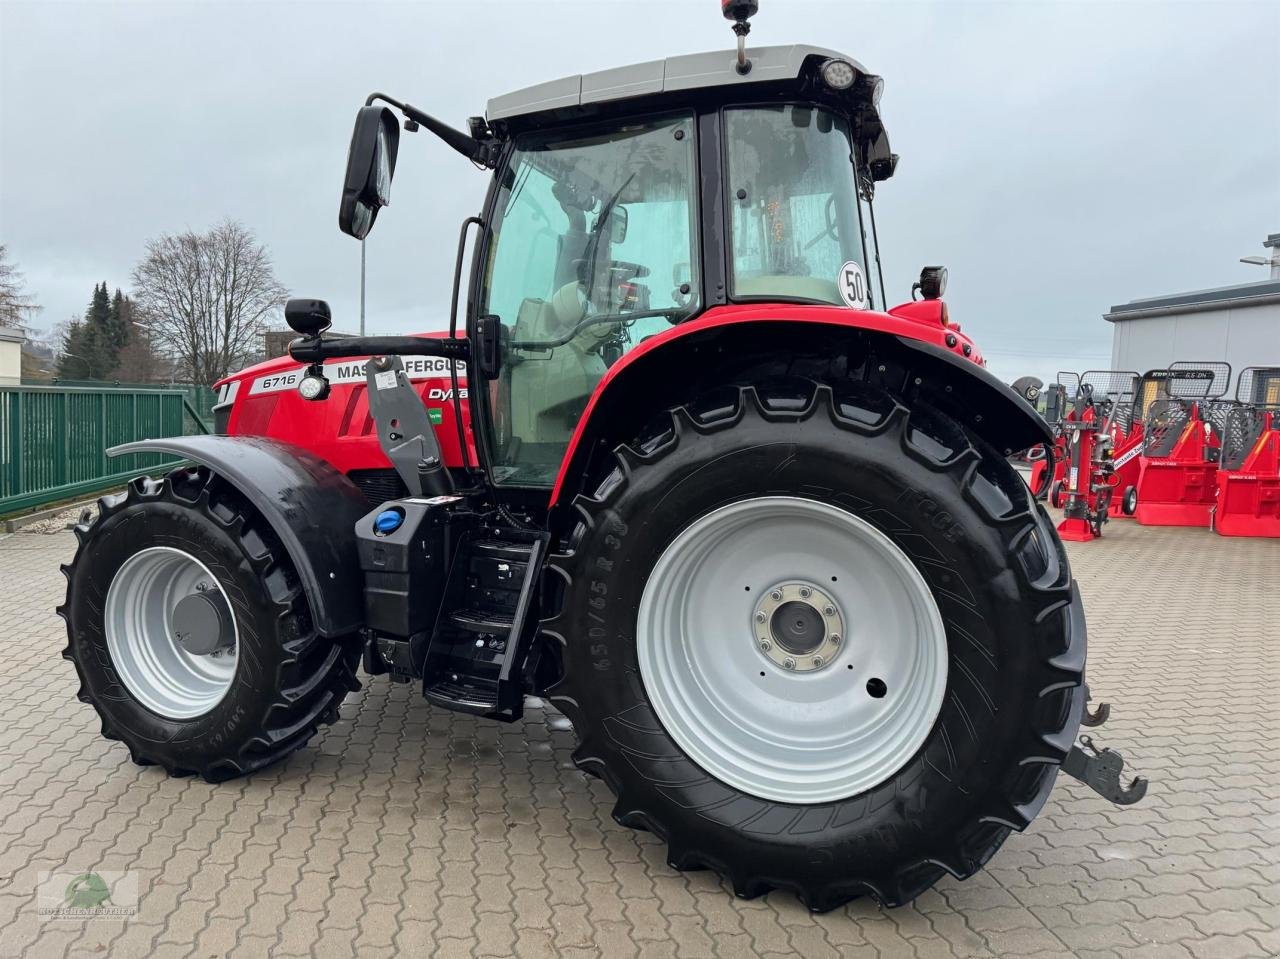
x=352 y=371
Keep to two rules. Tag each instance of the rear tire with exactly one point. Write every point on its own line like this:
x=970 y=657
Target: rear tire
x=991 y=563
x=286 y=679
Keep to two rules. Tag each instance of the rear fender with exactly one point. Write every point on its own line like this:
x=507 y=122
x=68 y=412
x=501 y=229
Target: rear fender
x=311 y=506
x=904 y=357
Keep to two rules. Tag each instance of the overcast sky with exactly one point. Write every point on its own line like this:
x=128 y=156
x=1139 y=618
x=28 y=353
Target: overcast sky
x=1057 y=157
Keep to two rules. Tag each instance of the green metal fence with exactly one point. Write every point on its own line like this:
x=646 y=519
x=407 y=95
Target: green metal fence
x=201 y=398
x=53 y=438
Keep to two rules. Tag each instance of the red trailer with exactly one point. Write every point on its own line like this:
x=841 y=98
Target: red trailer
x=1177 y=474
x=1248 y=500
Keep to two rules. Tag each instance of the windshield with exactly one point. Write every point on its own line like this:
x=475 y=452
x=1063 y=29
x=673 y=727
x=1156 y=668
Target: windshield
x=593 y=251
x=796 y=232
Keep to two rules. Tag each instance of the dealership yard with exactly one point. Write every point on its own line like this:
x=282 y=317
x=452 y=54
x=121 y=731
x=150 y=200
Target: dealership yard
x=408 y=830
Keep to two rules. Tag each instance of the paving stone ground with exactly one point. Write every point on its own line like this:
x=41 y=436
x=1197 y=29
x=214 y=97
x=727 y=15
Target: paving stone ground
x=408 y=830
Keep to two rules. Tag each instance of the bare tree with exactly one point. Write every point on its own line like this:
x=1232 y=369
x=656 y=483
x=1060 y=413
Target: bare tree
x=138 y=361
x=207 y=297
x=17 y=306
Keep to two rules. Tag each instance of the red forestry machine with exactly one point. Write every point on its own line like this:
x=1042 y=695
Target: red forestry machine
x=674 y=466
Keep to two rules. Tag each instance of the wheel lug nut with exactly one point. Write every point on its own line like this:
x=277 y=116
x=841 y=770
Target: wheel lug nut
x=835 y=639
x=817 y=661
x=788 y=663
x=760 y=617
x=829 y=610
x=765 y=645
x=805 y=591
x=776 y=595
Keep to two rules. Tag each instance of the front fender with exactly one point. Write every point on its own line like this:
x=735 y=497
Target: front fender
x=910 y=358
x=311 y=506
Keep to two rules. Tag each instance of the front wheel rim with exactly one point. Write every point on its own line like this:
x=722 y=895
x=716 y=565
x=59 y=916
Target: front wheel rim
x=138 y=622
x=773 y=724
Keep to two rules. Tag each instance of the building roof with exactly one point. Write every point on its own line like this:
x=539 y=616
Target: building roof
x=695 y=70
x=1221 y=297
x=11 y=335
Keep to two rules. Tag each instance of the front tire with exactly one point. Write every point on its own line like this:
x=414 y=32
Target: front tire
x=984 y=748
x=190 y=701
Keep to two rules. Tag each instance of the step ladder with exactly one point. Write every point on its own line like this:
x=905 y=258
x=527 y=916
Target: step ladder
x=475 y=658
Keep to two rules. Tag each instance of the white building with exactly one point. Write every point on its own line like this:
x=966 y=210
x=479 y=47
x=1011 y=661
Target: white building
x=11 y=356
x=1239 y=324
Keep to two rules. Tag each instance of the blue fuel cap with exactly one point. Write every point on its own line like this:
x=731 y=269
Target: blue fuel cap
x=388 y=521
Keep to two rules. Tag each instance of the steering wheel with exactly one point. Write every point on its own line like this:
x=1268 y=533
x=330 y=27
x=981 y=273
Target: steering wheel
x=832 y=227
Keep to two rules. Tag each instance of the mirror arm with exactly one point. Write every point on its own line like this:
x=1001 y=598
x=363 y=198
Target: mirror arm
x=313 y=349
x=475 y=150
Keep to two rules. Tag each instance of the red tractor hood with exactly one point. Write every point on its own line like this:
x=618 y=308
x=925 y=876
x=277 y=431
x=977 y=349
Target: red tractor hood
x=263 y=400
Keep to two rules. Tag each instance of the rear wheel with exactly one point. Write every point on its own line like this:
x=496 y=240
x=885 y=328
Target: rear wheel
x=819 y=641
x=190 y=633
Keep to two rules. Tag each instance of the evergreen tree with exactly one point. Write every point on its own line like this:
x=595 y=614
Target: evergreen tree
x=119 y=324
x=87 y=345
x=75 y=352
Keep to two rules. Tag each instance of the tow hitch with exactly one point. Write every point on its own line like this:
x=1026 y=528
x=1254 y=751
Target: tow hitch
x=1100 y=769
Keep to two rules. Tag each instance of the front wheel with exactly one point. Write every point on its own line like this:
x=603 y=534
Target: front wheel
x=190 y=632
x=823 y=641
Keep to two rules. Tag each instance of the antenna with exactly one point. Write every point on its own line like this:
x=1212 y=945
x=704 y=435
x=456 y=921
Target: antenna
x=740 y=11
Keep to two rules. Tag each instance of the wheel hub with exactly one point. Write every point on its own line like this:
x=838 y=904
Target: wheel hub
x=202 y=622
x=172 y=636
x=798 y=626
x=850 y=663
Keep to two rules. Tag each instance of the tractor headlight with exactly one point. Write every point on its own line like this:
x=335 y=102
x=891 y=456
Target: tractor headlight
x=313 y=386
x=838 y=74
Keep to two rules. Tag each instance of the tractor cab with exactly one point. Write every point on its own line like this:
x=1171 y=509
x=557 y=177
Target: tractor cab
x=631 y=200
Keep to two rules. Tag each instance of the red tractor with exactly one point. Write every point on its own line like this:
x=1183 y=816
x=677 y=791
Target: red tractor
x=677 y=469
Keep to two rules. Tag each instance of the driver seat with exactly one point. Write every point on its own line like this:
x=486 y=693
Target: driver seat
x=550 y=389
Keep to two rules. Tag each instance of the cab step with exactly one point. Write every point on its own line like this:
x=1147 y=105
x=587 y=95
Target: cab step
x=496 y=622
x=463 y=697
x=475 y=659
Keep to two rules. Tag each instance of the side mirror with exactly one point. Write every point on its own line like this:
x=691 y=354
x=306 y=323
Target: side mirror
x=618 y=218
x=932 y=283
x=371 y=162
x=308 y=317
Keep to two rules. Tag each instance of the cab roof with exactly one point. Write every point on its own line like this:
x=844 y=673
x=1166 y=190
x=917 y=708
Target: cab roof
x=689 y=72
x=666 y=79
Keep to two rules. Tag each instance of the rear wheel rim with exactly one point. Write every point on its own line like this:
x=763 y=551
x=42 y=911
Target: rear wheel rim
x=138 y=622
x=773 y=723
